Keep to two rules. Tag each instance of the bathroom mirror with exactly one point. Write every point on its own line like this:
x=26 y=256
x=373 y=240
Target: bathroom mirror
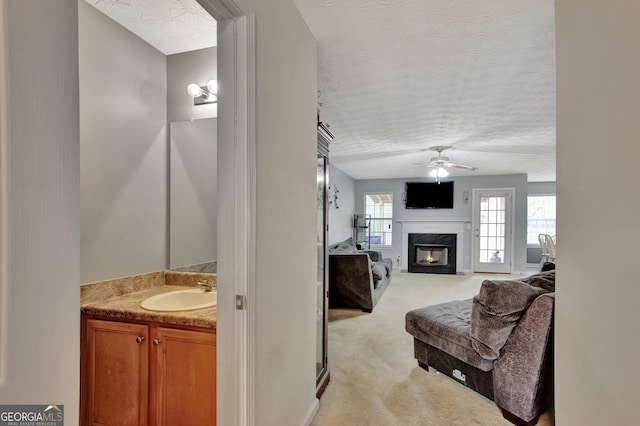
x=193 y=195
x=135 y=218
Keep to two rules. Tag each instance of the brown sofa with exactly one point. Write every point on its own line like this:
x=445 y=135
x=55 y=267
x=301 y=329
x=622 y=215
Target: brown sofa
x=500 y=343
x=357 y=278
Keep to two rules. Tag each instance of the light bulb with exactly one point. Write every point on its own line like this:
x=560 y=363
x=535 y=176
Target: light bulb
x=194 y=90
x=439 y=172
x=212 y=85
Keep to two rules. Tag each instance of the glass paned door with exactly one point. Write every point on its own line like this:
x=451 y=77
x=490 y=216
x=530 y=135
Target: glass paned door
x=492 y=225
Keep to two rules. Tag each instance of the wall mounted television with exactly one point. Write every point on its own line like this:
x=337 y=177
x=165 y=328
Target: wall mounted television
x=429 y=195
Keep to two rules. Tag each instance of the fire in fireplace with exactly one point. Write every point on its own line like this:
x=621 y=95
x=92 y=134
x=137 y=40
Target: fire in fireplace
x=432 y=253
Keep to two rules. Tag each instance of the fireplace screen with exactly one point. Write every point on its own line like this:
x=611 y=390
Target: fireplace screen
x=432 y=255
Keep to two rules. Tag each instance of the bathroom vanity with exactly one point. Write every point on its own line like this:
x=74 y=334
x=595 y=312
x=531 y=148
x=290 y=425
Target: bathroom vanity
x=141 y=367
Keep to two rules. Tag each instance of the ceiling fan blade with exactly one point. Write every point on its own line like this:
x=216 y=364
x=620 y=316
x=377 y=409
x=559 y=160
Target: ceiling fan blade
x=460 y=166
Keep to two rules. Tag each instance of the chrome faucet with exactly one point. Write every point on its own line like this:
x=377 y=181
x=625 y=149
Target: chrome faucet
x=205 y=285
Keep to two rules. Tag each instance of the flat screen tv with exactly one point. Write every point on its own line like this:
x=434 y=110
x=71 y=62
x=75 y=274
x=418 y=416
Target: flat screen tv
x=429 y=195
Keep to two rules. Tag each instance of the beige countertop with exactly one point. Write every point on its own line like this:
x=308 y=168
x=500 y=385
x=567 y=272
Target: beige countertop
x=126 y=304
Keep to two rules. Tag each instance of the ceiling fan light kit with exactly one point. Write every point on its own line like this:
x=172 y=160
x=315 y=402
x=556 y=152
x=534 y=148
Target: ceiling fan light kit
x=440 y=172
x=440 y=164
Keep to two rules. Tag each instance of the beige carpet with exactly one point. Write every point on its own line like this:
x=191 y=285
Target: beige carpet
x=375 y=380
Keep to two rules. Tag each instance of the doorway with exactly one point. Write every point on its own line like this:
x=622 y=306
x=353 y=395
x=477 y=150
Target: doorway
x=493 y=230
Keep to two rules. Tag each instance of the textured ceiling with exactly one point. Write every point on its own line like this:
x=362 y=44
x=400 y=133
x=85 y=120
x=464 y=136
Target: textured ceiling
x=398 y=76
x=171 y=26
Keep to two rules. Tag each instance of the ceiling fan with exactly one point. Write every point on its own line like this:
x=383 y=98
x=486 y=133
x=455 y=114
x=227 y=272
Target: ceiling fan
x=440 y=164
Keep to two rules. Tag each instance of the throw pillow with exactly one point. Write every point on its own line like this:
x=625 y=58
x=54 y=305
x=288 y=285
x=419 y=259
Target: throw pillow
x=345 y=247
x=495 y=311
x=548 y=266
x=545 y=280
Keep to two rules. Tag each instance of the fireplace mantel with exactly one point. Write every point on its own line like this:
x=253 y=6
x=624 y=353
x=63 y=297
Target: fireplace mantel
x=432 y=227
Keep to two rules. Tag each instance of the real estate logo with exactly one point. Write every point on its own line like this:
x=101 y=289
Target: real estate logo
x=31 y=415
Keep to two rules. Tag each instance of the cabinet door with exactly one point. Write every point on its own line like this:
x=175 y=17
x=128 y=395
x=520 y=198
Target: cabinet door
x=183 y=381
x=115 y=378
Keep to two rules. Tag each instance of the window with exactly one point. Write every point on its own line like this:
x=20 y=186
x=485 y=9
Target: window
x=380 y=207
x=541 y=216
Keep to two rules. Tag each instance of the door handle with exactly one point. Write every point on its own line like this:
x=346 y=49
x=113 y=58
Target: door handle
x=140 y=339
x=156 y=342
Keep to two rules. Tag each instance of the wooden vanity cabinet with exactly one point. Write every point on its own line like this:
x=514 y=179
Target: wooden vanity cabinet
x=183 y=379
x=137 y=374
x=115 y=365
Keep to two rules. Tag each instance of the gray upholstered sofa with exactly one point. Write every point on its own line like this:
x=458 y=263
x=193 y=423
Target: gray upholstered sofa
x=499 y=343
x=357 y=278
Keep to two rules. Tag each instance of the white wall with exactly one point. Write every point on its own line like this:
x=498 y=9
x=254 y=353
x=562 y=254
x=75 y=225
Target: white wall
x=341 y=218
x=597 y=315
x=43 y=322
x=123 y=165
x=286 y=215
x=198 y=66
x=541 y=188
x=461 y=212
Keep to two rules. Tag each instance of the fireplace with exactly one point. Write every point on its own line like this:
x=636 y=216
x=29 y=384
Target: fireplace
x=432 y=253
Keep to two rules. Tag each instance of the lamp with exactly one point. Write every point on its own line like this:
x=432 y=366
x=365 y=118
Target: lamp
x=203 y=95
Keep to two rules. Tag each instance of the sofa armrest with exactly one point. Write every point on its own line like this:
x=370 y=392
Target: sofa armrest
x=523 y=374
x=350 y=281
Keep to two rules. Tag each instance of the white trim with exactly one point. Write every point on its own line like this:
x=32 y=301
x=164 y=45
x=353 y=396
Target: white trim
x=236 y=223
x=311 y=413
x=252 y=160
x=4 y=196
x=379 y=246
x=224 y=9
x=432 y=227
x=245 y=208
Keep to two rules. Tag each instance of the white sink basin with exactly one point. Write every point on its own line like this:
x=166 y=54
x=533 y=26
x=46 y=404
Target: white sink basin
x=180 y=300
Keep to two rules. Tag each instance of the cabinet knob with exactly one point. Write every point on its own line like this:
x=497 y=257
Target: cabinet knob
x=156 y=342
x=140 y=339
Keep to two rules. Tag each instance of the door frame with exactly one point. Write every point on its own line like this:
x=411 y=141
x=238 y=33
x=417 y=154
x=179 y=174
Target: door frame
x=236 y=224
x=4 y=202
x=474 y=224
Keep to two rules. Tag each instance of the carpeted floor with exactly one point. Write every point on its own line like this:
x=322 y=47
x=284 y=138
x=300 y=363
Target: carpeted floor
x=375 y=380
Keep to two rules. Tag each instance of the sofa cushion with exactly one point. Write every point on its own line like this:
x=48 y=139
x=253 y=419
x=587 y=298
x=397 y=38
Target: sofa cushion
x=496 y=310
x=343 y=247
x=545 y=280
x=388 y=265
x=374 y=255
x=379 y=272
x=446 y=326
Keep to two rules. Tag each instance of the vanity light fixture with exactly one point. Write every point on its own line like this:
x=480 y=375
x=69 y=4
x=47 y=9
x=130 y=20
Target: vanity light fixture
x=203 y=95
